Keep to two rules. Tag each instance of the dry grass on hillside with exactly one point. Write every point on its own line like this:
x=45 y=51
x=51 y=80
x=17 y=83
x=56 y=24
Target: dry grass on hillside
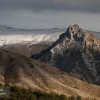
x=19 y=70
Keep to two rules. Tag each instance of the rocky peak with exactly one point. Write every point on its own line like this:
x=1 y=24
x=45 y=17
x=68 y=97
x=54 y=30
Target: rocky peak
x=78 y=35
x=74 y=32
x=77 y=52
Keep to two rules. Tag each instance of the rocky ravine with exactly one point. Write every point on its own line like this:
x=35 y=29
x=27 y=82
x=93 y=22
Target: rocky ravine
x=77 y=52
x=22 y=71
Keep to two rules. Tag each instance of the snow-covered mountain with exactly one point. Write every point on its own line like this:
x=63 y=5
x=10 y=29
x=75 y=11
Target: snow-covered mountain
x=9 y=35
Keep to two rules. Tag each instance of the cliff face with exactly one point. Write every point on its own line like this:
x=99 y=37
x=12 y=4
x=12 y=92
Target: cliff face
x=76 y=52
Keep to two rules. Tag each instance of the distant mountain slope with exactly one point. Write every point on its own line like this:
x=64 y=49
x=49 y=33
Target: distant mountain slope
x=77 y=52
x=10 y=35
x=27 y=49
x=19 y=70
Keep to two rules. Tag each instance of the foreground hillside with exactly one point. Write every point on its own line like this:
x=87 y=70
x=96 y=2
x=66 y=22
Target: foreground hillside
x=24 y=72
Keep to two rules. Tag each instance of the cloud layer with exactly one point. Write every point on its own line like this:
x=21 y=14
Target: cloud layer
x=92 y=6
x=33 y=14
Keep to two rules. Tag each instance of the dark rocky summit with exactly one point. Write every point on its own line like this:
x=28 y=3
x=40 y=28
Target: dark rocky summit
x=77 y=52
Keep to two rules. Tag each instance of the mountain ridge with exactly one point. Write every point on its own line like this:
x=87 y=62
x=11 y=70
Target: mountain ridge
x=76 y=52
x=33 y=36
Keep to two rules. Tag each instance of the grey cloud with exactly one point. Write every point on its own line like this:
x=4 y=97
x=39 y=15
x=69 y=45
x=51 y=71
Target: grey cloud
x=92 y=6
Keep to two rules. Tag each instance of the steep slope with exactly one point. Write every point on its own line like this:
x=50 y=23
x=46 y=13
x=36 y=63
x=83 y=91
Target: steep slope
x=77 y=52
x=19 y=70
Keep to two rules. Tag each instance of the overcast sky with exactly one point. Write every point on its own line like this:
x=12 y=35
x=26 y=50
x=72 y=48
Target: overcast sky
x=32 y=14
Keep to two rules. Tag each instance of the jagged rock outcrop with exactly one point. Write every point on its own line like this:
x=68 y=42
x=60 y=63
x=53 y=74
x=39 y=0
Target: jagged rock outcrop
x=77 y=52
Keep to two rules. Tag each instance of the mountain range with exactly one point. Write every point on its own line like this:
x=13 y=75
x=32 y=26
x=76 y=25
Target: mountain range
x=9 y=35
x=28 y=42
x=70 y=61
